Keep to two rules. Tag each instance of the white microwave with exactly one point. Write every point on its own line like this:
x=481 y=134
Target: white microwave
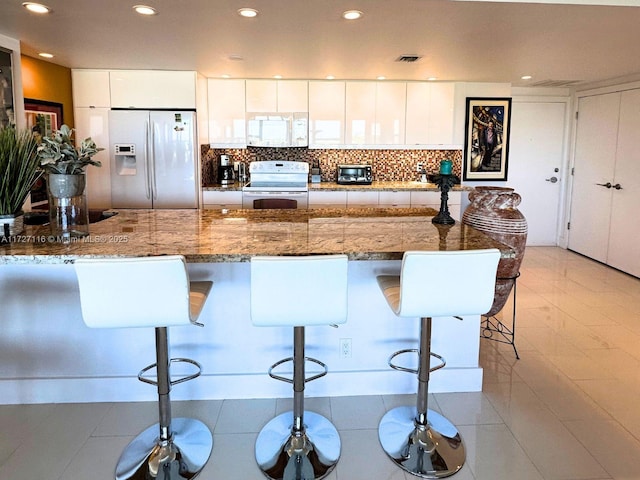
x=279 y=129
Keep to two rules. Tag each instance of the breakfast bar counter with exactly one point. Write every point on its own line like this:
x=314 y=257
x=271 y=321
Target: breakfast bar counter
x=47 y=354
x=213 y=236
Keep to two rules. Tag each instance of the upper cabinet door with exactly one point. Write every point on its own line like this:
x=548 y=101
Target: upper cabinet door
x=226 y=101
x=360 y=113
x=391 y=101
x=293 y=96
x=262 y=96
x=430 y=113
x=277 y=96
x=90 y=88
x=153 y=89
x=326 y=113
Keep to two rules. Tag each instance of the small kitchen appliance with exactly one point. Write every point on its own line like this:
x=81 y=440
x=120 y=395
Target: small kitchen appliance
x=354 y=175
x=225 y=170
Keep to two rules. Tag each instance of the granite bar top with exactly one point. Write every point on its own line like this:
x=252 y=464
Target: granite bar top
x=237 y=235
x=375 y=186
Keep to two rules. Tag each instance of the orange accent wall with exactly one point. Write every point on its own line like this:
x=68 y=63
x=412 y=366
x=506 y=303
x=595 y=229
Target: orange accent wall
x=49 y=82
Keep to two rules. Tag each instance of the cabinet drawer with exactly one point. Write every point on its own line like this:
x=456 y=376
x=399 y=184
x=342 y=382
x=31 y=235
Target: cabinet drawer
x=213 y=197
x=430 y=198
x=336 y=199
x=358 y=199
x=394 y=198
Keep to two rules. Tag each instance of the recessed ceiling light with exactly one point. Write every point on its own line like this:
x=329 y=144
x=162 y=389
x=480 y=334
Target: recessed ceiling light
x=526 y=77
x=381 y=77
x=352 y=14
x=330 y=77
x=36 y=7
x=45 y=55
x=431 y=79
x=277 y=76
x=145 y=10
x=248 y=12
x=235 y=57
x=226 y=75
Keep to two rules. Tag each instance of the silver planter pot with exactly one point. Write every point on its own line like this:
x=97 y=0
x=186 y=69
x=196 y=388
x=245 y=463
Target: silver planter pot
x=65 y=186
x=68 y=210
x=11 y=225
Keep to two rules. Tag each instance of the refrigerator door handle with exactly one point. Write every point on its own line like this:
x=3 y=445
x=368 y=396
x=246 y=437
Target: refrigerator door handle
x=154 y=186
x=147 y=153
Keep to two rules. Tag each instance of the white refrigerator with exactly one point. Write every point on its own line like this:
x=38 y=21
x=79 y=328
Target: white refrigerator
x=153 y=159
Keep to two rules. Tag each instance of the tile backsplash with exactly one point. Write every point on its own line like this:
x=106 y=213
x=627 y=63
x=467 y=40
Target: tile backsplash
x=387 y=165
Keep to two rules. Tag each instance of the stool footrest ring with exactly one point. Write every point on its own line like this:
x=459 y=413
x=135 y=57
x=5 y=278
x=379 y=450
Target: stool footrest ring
x=400 y=368
x=171 y=382
x=290 y=380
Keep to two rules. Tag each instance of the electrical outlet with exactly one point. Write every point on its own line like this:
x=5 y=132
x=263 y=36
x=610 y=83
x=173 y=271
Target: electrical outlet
x=420 y=167
x=345 y=348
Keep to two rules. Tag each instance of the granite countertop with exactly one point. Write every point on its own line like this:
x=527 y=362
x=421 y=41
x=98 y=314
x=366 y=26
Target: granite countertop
x=237 y=235
x=333 y=186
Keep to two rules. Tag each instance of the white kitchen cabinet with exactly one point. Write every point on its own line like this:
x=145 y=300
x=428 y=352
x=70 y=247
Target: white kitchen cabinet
x=152 y=89
x=606 y=184
x=91 y=88
x=326 y=113
x=226 y=106
x=215 y=199
x=327 y=199
x=394 y=199
x=360 y=117
x=360 y=199
x=375 y=113
x=262 y=95
x=94 y=122
x=277 y=96
x=430 y=113
x=391 y=100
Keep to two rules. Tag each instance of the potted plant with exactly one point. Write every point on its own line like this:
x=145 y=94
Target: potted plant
x=65 y=164
x=18 y=172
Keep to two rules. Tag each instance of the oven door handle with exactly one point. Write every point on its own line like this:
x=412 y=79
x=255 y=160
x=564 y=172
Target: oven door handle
x=280 y=193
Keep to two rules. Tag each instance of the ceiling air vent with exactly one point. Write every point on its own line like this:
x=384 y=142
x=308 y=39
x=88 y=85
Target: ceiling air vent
x=408 y=58
x=555 y=83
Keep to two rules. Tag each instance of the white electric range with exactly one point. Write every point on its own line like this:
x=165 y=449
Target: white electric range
x=277 y=184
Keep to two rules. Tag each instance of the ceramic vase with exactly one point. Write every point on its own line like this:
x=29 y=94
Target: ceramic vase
x=493 y=210
x=68 y=211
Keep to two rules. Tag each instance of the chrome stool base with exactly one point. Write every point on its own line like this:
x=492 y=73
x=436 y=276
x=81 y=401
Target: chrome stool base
x=432 y=451
x=184 y=456
x=283 y=456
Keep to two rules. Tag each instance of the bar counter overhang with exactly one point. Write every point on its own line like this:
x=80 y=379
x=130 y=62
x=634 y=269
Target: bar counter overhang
x=47 y=354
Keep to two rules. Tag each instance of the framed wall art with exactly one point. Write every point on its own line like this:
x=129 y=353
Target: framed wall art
x=43 y=117
x=486 y=145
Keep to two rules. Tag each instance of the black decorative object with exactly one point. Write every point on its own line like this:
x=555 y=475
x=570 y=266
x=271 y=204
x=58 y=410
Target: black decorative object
x=444 y=182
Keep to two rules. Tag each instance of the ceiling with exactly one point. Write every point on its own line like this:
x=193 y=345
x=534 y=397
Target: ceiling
x=557 y=44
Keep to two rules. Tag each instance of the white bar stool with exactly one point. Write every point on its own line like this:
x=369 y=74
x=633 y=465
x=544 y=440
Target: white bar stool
x=432 y=284
x=298 y=292
x=151 y=292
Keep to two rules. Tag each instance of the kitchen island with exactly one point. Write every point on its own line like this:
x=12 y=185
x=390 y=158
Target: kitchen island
x=48 y=355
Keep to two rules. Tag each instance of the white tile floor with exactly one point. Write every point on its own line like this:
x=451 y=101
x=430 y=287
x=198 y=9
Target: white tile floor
x=568 y=409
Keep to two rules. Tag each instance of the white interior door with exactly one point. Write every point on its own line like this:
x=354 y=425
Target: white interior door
x=595 y=150
x=535 y=165
x=624 y=247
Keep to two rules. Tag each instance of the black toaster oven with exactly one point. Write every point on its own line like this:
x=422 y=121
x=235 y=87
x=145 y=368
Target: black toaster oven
x=354 y=175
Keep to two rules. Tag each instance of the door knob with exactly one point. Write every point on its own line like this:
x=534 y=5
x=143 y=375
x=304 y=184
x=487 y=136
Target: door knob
x=552 y=179
x=617 y=186
x=608 y=184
